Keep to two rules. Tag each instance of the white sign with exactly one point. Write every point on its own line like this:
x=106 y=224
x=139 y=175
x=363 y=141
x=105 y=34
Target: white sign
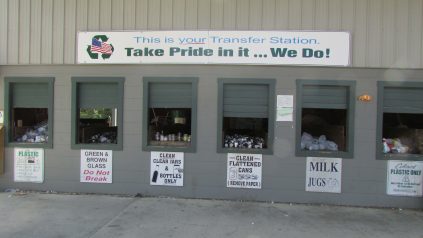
x=215 y=47
x=96 y=166
x=323 y=175
x=167 y=168
x=1 y=116
x=284 y=107
x=29 y=165
x=405 y=178
x=244 y=171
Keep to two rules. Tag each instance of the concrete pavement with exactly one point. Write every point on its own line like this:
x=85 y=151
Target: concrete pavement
x=94 y=216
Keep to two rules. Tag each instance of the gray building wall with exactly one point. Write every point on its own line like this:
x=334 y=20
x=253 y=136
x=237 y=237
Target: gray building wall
x=363 y=177
x=385 y=33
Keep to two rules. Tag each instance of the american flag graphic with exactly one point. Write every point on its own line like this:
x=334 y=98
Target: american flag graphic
x=102 y=47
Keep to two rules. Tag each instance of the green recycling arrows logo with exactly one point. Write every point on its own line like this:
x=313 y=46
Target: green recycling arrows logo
x=99 y=46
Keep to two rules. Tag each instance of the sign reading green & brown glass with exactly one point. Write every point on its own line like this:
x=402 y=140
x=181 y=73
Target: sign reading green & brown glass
x=215 y=47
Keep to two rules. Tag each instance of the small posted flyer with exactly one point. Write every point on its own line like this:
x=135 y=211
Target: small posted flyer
x=285 y=108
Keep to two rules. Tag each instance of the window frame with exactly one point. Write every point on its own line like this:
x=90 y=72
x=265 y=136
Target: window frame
x=349 y=153
x=381 y=85
x=271 y=83
x=8 y=106
x=74 y=107
x=145 y=109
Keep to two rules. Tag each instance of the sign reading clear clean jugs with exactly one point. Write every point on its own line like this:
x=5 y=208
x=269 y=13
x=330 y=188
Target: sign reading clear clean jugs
x=167 y=168
x=244 y=171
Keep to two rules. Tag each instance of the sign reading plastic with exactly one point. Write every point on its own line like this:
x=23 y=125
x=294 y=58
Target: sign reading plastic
x=323 y=175
x=215 y=47
x=244 y=171
x=29 y=165
x=96 y=166
x=167 y=168
x=405 y=178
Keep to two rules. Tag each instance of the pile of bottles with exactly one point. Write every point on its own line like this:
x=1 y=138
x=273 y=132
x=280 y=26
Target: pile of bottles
x=244 y=142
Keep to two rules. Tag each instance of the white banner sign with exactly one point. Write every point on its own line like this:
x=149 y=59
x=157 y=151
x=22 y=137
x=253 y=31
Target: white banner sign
x=96 y=166
x=215 y=47
x=323 y=175
x=405 y=178
x=29 y=165
x=244 y=171
x=167 y=168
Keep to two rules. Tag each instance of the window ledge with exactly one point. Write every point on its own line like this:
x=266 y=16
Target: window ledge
x=30 y=145
x=328 y=154
x=245 y=151
x=400 y=157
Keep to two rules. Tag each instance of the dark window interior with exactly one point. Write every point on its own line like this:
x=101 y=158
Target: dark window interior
x=402 y=133
x=245 y=133
x=30 y=125
x=97 y=126
x=323 y=129
x=169 y=127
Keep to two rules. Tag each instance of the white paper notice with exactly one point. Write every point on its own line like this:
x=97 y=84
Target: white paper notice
x=284 y=108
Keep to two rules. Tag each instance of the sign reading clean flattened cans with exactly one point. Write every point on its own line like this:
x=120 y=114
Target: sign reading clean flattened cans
x=29 y=165
x=167 y=168
x=323 y=175
x=244 y=171
x=96 y=166
x=405 y=178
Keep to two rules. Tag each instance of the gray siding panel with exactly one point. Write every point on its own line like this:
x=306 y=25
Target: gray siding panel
x=242 y=13
x=269 y=10
x=70 y=32
x=105 y=15
x=47 y=32
x=154 y=14
x=256 y=15
x=374 y=33
x=385 y=33
x=178 y=15
x=94 y=9
x=229 y=16
x=35 y=41
x=415 y=33
x=129 y=14
x=216 y=15
x=360 y=33
x=308 y=14
x=117 y=15
x=3 y=29
x=335 y=17
x=13 y=33
x=191 y=14
x=81 y=15
x=204 y=13
x=58 y=32
x=166 y=15
x=24 y=30
x=282 y=14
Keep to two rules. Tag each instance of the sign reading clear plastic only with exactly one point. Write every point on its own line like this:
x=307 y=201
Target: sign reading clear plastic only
x=215 y=47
